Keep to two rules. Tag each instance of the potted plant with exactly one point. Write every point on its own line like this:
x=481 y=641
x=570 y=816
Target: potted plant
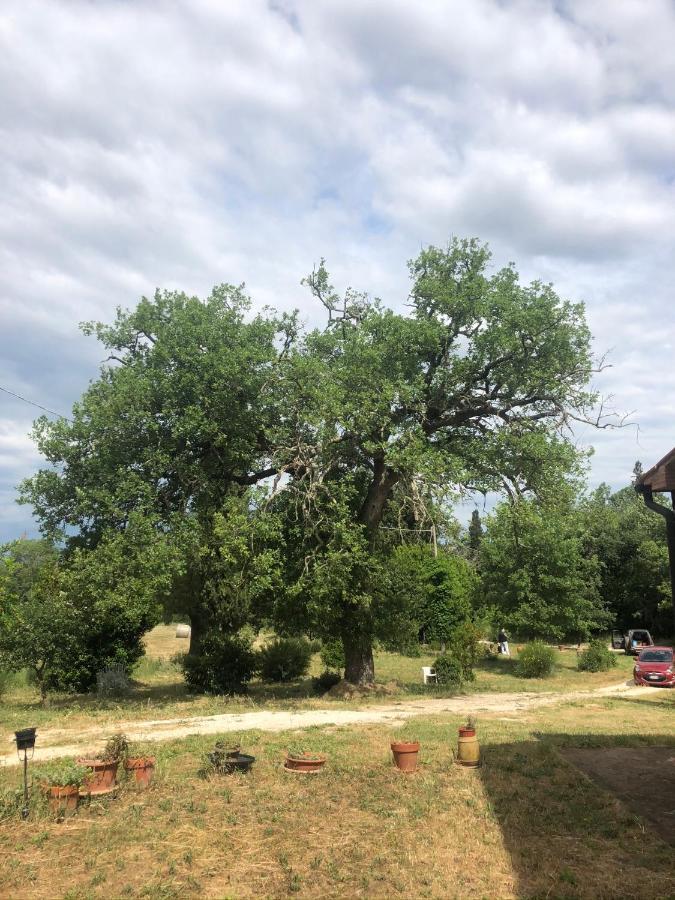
x=61 y=782
x=406 y=755
x=304 y=761
x=142 y=767
x=469 y=729
x=468 y=748
x=226 y=758
x=103 y=767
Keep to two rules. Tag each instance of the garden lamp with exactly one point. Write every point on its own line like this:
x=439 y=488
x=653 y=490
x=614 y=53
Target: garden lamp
x=25 y=743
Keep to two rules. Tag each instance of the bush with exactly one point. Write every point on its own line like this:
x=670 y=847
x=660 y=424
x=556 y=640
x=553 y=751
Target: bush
x=464 y=648
x=596 y=658
x=448 y=671
x=112 y=682
x=325 y=681
x=333 y=654
x=224 y=666
x=316 y=645
x=284 y=659
x=535 y=661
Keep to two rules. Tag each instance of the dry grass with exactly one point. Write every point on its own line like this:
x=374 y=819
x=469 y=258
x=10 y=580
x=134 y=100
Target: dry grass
x=525 y=824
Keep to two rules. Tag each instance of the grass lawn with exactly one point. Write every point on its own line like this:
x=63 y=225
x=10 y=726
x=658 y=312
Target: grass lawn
x=525 y=824
x=159 y=691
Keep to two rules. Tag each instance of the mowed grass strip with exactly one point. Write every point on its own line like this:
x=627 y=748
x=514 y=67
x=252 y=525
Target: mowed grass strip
x=525 y=824
x=158 y=689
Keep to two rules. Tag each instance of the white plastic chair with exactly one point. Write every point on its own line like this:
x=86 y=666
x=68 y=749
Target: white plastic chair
x=429 y=674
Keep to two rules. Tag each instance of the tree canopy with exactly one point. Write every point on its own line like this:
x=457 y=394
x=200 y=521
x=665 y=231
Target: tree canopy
x=376 y=418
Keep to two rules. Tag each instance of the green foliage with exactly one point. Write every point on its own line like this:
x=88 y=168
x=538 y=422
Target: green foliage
x=325 y=681
x=629 y=541
x=333 y=654
x=597 y=657
x=370 y=419
x=116 y=748
x=475 y=532
x=536 y=571
x=113 y=681
x=464 y=648
x=284 y=659
x=536 y=660
x=449 y=671
x=62 y=773
x=65 y=619
x=224 y=666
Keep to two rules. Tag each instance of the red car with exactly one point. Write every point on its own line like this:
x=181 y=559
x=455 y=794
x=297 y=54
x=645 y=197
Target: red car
x=655 y=666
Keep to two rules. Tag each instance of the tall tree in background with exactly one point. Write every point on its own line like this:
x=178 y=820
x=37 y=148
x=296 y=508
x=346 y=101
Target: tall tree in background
x=474 y=387
x=475 y=532
x=537 y=573
x=363 y=420
x=630 y=544
x=180 y=420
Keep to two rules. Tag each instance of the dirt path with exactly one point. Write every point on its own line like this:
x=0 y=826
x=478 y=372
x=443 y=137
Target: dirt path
x=56 y=742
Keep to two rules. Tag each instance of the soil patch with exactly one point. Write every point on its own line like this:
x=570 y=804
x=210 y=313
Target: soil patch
x=643 y=777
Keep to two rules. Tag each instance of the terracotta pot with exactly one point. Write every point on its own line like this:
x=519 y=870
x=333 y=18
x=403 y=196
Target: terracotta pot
x=143 y=768
x=63 y=800
x=466 y=731
x=305 y=763
x=103 y=776
x=406 y=754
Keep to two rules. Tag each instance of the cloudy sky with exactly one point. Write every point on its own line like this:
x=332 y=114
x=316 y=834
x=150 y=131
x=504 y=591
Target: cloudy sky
x=182 y=144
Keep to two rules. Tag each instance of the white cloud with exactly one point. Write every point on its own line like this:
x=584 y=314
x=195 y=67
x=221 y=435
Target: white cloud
x=182 y=145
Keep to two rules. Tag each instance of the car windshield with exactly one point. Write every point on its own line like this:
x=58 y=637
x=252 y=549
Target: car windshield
x=660 y=656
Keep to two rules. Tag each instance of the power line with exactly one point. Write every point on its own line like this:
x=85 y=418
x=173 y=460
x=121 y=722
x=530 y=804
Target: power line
x=39 y=406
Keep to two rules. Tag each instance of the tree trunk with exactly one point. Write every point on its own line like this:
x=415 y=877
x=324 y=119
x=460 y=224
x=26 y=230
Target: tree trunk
x=359 y=662
x=198 y=631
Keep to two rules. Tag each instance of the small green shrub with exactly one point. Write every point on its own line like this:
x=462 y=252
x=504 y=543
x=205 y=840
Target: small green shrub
x=448 y=671
x=117 y=748
x=536 y=660
x=284 y=659
x=225 y=665
x=463 y=647
x=113 y=681
x=62 y=774
x=333 y=654
x=325 y=681
x=596 y=658
x=316 y=645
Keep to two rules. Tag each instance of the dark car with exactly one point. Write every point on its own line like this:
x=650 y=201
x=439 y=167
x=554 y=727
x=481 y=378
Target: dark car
x=655 y=666
x=633 y=641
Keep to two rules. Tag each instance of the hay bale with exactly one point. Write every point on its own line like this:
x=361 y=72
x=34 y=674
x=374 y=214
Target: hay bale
x=183 y=631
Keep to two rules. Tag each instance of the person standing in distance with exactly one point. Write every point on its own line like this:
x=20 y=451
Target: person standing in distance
x=503 y=639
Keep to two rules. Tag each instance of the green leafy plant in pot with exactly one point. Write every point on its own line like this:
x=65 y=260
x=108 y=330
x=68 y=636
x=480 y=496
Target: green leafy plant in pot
x=103 y=767
x=61 y=782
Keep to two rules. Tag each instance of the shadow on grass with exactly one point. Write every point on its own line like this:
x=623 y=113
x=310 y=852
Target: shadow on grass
x=565 y=832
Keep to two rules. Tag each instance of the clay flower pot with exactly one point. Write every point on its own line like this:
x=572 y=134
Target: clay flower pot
x=305 y=763
x=103 y=776
x=143 y=768
x=406 y=754
x=63 y=800
x=466 y=731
